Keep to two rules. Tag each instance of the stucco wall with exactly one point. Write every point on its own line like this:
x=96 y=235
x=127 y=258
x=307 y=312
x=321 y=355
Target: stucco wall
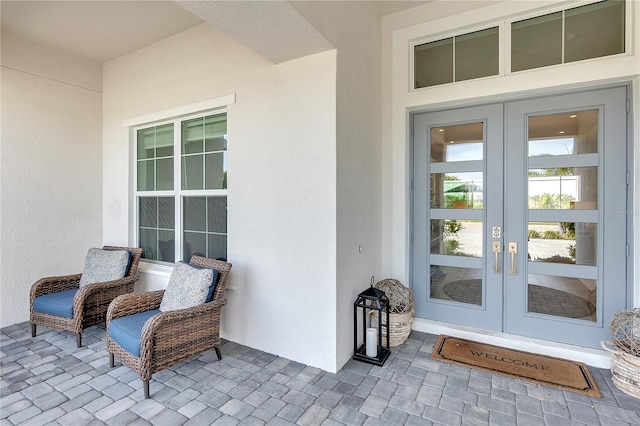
x=282 y=180
x=51 y=163
x=354 y=28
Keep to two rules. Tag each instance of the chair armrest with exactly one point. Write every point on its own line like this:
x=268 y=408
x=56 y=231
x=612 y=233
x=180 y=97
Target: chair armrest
x=101 y=293
x=53 y=285
x=133 y=303
x=190 y=320
x=114 y=285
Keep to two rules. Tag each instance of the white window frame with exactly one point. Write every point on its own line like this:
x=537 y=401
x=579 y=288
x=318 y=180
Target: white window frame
x=176 y=115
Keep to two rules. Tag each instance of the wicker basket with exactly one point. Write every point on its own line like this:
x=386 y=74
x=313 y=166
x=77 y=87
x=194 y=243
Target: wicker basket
x=400 y=312
x=625 y=370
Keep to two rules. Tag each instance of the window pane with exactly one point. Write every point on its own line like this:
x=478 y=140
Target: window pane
x=594 y=30
x=193 y=136
x=192 y=172
x=195 y=214
x=216 y=171
x=433 y=63
x=477 y=54
x=146 y=143
x=195 y=243
x=563 y=242
x=155 y=158
x=146 y=175
x=156 y=223
x=166 y=212
x=463 y=142
x=536 y=42
x=148 y=212
x=205 y=226
x=217 y=246
x=164 y=141
x=167 y=246
x=149 y=243
x=217 y=214
x=215 y=132
x=164 y=174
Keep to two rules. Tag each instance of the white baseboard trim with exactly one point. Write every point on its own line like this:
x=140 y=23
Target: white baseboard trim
x=592 y=357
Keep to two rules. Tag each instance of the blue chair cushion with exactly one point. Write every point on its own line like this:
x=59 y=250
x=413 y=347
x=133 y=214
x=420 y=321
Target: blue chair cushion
x=188 y=286
x=105 y=265
x=126 y=331
x=59 y=304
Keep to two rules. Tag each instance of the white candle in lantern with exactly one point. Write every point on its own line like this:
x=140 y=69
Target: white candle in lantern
x=372 y=342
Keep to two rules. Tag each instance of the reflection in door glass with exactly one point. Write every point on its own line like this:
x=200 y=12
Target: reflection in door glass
x=563 y=242
x=562 y=296
x=567 y=133
x=462 y=142
x=456 y=237
x=456 y=190
x=456 y=284
x=573 y=188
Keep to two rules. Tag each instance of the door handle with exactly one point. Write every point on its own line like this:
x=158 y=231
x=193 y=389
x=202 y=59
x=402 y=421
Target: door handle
x=513 y=250
x=497 y=248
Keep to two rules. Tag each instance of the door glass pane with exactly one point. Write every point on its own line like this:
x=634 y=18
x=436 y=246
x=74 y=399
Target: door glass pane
x=562 y=296
x=563 y=242
x=456 y=237
x=594 y=30
x=456 y=284
x=566 y=133
x=536 y=42
x=476 y=54
x=433 y=63
x=573 y=188
x=461 y=142
x=457 y=190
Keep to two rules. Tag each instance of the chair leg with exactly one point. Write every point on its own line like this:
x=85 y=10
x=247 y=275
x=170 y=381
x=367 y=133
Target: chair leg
x=79 y=339
x=218 y=353
x=33 y=330
x=111 y=360
x=146 y=388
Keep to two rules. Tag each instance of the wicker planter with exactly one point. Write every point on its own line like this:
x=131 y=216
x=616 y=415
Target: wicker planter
x=625 y=370
x=625 y=351
x=400 y=312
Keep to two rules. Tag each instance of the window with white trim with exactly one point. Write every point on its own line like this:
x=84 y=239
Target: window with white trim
x=181 y=187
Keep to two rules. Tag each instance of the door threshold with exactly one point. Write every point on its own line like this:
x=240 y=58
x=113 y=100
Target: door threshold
x=590 y=356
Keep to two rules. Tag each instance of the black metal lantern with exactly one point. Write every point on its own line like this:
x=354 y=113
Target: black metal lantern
x=371 y=350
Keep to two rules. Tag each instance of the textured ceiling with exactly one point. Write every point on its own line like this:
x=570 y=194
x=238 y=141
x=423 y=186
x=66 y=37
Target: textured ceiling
x=107 y=29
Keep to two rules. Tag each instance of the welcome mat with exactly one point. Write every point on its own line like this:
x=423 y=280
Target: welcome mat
x=556 y=372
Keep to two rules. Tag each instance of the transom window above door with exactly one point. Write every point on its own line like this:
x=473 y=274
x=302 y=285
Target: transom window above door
x=575 y=34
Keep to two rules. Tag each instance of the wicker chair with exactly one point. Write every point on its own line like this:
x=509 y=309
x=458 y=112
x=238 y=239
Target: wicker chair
x=90 y=302
x=173 y=336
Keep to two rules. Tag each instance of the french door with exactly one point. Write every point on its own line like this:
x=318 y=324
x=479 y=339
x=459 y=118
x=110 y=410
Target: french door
x=519 y=220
